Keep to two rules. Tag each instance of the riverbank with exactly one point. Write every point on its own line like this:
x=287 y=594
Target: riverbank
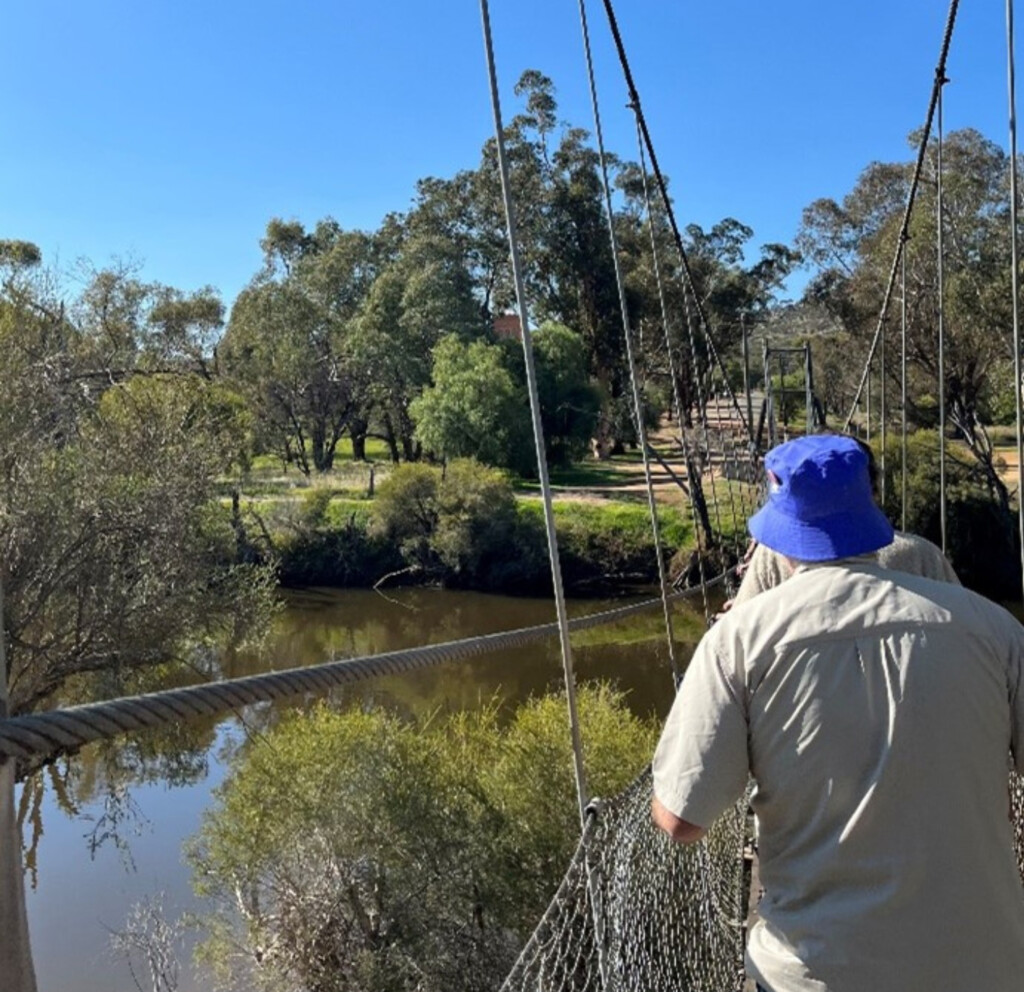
x=469 y=527
x=604 y=546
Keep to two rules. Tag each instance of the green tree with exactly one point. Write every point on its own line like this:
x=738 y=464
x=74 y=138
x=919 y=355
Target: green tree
x=115 y=555
x=424 y=293
x=286 y=345
x=852 y=243
x=982 y=539
x=474 y=408
x=569 y=401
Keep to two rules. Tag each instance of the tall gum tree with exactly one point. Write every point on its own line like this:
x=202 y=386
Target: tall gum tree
x=286 y=342
x=851 y=245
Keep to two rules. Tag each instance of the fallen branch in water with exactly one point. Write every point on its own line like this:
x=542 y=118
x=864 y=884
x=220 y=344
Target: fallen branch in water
x=390 y=575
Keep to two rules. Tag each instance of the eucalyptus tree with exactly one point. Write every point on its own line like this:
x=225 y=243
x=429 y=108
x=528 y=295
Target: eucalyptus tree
x=286 y=344
x=570 y=401
x=852 y=243
x=735 y=286
x=421 y=294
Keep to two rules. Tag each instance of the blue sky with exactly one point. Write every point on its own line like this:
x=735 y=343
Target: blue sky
x=172 y=131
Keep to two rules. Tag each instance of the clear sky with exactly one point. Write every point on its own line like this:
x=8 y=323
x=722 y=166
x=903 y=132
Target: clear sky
x=172 y=131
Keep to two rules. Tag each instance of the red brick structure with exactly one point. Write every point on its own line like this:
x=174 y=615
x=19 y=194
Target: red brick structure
x=508 y=325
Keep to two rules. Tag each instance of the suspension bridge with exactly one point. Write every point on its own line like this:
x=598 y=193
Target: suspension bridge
x=633 y=912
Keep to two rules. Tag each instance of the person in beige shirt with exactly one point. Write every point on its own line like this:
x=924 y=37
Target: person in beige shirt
x=905 y=553
x=874 y=710
x=765 y=568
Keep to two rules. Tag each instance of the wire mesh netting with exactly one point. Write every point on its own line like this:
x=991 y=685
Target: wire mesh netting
x=637 y=913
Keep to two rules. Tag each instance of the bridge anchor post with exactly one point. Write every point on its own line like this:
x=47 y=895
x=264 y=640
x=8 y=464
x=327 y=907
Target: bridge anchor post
x=15 y=950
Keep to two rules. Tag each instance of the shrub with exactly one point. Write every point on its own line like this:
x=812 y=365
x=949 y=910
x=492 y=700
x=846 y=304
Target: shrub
x=357 y=852
x=458 y=525
x=405 y=510
x=476 y=513
x=331 y=552
x=610 y=543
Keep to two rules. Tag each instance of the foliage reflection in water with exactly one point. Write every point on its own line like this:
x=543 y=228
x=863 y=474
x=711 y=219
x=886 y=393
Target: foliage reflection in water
x=150 y=792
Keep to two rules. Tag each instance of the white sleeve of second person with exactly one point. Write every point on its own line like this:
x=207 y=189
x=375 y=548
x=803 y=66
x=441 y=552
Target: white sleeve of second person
x=700 y=765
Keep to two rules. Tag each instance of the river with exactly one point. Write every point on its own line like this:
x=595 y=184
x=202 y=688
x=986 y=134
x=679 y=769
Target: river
x=85 y=884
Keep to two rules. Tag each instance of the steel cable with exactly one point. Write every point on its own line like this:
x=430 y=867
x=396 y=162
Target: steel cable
x=940 y=74
x=1014 y=271
x=903 y=386
x=44 y=735
x=940 y=272
x=676 y=397
x=638 y=409
x=634 y=99
x=538 y=430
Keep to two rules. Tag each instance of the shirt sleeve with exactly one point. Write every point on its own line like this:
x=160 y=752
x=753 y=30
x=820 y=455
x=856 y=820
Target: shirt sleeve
x=700 y=765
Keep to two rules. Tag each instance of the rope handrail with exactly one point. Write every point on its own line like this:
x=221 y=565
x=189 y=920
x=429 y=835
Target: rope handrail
x=53 y=732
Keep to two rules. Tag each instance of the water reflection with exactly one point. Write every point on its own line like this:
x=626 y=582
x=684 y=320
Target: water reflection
x=169 y=775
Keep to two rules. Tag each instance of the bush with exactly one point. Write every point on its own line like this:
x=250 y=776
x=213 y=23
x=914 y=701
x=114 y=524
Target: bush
x=458 y=525
x=476 y=514
x=358 y=852
x=610 y=543
x=326 y=551
x=405 y=510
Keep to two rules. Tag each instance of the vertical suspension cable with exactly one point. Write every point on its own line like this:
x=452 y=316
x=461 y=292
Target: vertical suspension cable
x=702 y=407
x=538 y=430
x=769 y=394
x=634 y=99
x=1014 y=274
x=940 y=76
x=728 y=453
x=941 y=315
x=638 y=408
x=676 y=397
x=867 y=406
x=881 y=407
x=903 y=382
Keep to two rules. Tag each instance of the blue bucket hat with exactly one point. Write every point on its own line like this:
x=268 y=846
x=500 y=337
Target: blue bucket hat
x=820 y=506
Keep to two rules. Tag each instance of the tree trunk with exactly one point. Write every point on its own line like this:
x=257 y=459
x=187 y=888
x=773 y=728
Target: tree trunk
x=409 y=446
x=323 y=453
x=700 y=503
x=392 y=442
x=358 y=430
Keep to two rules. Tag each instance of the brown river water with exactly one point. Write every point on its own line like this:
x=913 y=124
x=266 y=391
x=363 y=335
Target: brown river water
x=85 y=885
